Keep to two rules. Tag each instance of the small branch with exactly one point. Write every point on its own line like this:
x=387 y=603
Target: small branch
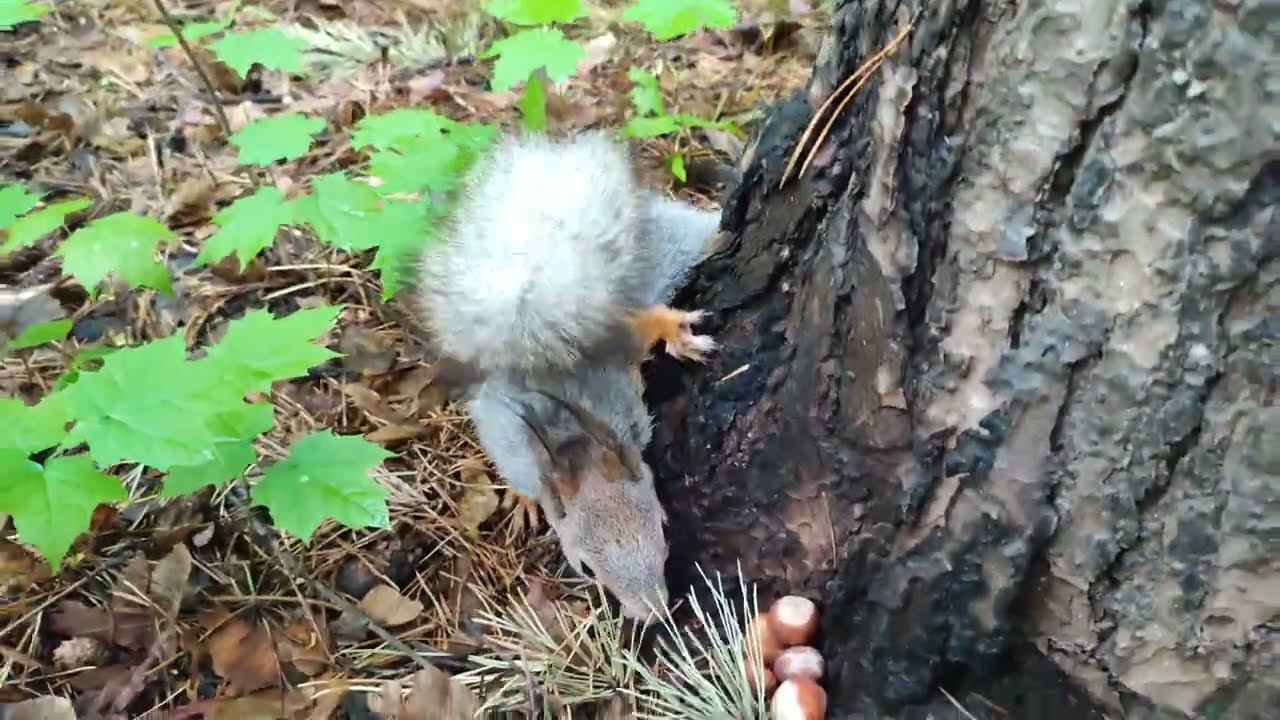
x=191 y=54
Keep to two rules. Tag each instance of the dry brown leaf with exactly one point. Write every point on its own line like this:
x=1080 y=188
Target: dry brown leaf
x=19 y=569
x=366 y=351
x=302 y=647
x=395 y=432
x=191 y=202
x=386 y=605
x=432 y=694
x=478 y=500
x=262 y=705
x=242 y=653
x=169 y=580
x=41 y=708
x=131 y=612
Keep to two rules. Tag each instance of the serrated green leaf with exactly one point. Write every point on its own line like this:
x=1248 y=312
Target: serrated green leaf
x=32 y=428
x=52 y=505
x=536 y=12
x=81 y=361
x=412 y=227
x=325 y=477
x=13 y=12
x=647 y=127
x=279 y=137
x=232 y=451
x=677 y=166
x=533 y=104
x=41 y=333
x=667 y=19
x=425 y=163
x=388 y=130
x=148 y=404
x=646 y=95
x=259 y=349
x=339 y=210
x=30 y=228
x=247 y=226
x=15 y=201
x=270 y=47
x=193 y=31
x=123 y=245
x=528 y=50
x=688 y=120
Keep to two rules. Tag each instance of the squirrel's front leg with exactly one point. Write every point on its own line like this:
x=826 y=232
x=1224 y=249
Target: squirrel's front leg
x=675 y=328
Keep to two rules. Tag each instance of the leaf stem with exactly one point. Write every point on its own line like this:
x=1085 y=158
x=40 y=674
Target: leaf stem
x=191 y=54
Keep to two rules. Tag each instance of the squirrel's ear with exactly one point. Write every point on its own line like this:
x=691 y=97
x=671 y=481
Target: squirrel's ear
x=602 y=434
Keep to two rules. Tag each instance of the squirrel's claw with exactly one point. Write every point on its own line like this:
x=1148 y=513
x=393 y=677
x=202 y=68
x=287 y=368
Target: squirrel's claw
x=525 y=517
x=686 y=344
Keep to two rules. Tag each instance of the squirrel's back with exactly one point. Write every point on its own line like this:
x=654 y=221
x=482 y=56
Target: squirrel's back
x=543 y=257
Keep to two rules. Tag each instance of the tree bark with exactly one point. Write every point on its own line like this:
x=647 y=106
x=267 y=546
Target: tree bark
x=1000 y=370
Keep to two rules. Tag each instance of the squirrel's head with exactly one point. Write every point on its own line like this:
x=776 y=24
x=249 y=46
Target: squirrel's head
x=599 y=498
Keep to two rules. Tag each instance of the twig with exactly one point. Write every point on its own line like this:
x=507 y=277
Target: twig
x=842 y=95
x=204 y=76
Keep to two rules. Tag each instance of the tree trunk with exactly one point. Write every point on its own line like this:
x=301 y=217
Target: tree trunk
x=999 y=371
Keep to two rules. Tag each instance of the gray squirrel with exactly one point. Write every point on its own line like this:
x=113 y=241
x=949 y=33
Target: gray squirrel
x=548 y=290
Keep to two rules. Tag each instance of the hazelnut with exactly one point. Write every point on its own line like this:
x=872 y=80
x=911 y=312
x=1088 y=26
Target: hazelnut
x=794 y=620
x=770 y=648
x=799 y=699
x=770 y=680
x=799 y=661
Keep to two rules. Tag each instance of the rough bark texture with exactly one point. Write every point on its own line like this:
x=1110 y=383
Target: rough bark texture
x=1003 y=365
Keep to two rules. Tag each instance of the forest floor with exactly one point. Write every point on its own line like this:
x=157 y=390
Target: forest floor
x=194 y=606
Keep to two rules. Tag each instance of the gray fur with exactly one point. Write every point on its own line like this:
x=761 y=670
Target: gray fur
x=581 y=245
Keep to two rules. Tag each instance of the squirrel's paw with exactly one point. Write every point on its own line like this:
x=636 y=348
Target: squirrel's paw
x=525 y=516
x=684 y=343
x=675 y=328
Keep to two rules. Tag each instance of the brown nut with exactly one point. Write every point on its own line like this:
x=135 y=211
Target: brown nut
x=794 y=620
x=799 y=699
x=770 y=680
x=799 y=661
x=770 y=648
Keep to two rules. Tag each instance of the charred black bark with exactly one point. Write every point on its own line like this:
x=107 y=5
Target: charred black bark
x=997 y=367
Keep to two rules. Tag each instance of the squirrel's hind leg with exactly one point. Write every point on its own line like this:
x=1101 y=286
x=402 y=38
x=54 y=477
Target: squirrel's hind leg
x=675 y=328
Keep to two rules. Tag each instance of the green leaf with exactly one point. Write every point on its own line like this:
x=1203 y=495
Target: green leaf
x=391 y=129
x=147 y=404
x=259 y=349
x=533 y=104
x=81 y=361
x=647 y=127
x=528 y=50
x=646 y=96
x=30 y=228
x=536 y=12
x=232 y=450
x=247 y=226
x=192 y=31
x=677 y=166
x=325 y=476
x=41 y=333
x=280 y=137
x=32 y=428
x=339 y=210
x=667 y=19
x=52 y=505
x=123 y=245
x=411 y=226
x=424 y=164
x=688 y=120
x=15 y=201
x=270 y=47
x=13 y=12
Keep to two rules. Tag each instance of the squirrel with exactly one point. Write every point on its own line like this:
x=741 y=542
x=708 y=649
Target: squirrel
x=544 y=296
